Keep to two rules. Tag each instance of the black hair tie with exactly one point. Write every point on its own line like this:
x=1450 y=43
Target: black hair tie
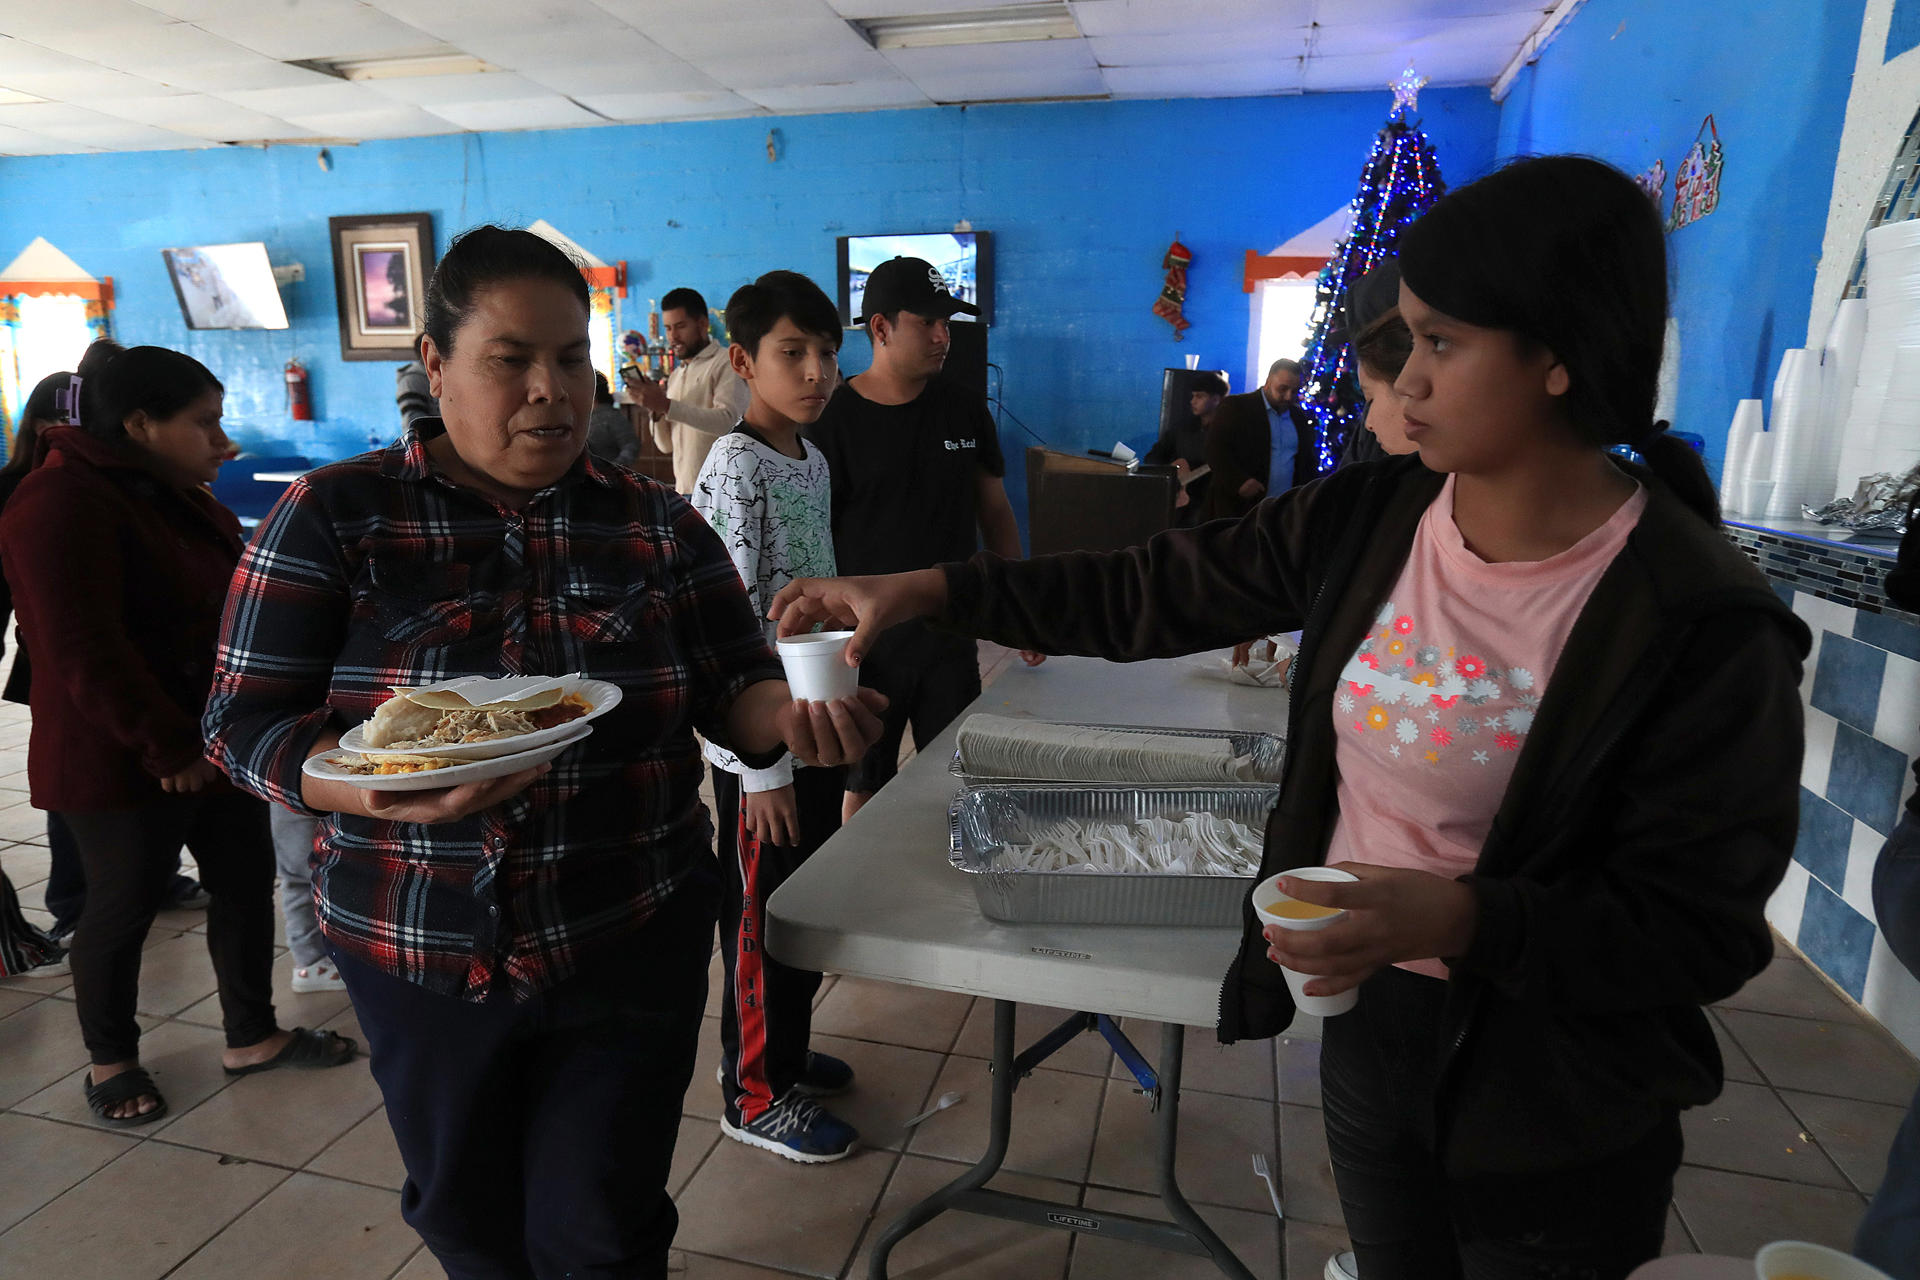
x=1642 y=442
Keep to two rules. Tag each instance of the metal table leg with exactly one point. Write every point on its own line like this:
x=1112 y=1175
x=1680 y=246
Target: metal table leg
x=1187 y=1233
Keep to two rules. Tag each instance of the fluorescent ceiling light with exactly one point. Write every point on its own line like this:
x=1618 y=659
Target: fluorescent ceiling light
x=441 y=61
x=1003 y=25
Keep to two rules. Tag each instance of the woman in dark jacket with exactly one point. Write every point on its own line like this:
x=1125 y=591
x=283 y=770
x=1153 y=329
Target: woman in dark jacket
x=118 y=560
x=1543 y=712
x=24 y=949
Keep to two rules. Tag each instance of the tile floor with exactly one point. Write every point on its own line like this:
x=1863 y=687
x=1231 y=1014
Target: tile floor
x=289 y=1176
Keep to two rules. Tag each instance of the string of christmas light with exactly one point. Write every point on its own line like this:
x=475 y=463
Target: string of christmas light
x=1399 y=182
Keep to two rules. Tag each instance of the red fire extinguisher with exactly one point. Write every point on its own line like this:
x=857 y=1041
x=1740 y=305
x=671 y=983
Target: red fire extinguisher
x=299 y=392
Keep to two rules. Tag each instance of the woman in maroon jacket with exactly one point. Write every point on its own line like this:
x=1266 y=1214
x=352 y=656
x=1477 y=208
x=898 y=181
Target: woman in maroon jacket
x=119 y=559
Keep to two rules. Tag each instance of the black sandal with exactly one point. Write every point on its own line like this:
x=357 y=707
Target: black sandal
x=309 y=1050
x=128 y=1086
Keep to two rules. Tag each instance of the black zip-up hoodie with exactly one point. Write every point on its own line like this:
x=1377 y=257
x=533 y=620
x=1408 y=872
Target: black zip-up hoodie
x=1650 y=814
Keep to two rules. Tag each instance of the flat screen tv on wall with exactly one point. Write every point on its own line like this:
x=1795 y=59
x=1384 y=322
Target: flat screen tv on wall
x=963 y=258
x=226 y=286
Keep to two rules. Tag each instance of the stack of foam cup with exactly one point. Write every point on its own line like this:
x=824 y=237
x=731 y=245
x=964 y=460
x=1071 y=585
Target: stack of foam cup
x=1743 y=437
x=1893 y=321
x=1895 y=445
x=816 y=666
x=1797 y=426
x=1278 y=908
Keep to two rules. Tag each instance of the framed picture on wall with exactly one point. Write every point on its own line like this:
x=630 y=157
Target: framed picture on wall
x=381 y=262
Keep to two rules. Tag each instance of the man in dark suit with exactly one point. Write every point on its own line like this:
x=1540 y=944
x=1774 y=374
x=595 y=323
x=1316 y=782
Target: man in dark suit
x=1260 y=442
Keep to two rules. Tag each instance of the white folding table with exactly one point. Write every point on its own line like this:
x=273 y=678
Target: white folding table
x=880 y=901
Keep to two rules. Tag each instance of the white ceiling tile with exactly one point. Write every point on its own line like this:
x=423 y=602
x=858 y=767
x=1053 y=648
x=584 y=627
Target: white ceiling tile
x=914 y=8
x=806 y=65
x=329 y=95
x=124 y=135
x=1280 y=44
x=611 y=42
x=1208 y=80
x=651 y=15
x=1484 y=37
x=583 y=79
x=20 y=142
x=203 y=116
x=1027 y=57
x=80 y=84
x=253 y=73
x=433 y=91
x=316 y=29
x=394 y=120
x=1190 y=19
x=64 y=26
x=188 y=10
x=471 y=19
x=144 y=49
x=1330 y=13
x=49 y=117
x=548 y=111
x=1003 y=86
x=839 y=97
x=48 y=73
x=637 y=108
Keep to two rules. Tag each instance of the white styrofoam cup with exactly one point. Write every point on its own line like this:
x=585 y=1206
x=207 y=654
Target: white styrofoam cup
x=1268 y=893
x=817 y=667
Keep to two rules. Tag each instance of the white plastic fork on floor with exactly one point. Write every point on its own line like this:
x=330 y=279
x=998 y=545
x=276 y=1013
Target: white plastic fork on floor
x=945 y=1100
x=1265 y=1175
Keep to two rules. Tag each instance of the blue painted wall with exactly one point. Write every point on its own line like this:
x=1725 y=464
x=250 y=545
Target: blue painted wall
x=1630 y=81
x=1082 y=199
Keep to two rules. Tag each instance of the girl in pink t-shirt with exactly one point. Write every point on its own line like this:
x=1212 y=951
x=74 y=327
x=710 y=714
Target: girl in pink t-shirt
x=1542 y=709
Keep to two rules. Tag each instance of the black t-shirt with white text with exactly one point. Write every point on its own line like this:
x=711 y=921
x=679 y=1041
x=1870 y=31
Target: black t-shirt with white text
x=905 y=476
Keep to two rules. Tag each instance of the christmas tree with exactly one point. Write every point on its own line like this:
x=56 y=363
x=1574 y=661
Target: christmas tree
x=1401 y=181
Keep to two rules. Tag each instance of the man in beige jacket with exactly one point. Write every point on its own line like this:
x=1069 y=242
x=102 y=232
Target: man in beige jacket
x=703 y=398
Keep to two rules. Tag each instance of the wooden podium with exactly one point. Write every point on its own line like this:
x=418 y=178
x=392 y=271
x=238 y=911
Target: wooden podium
x=1077 y=502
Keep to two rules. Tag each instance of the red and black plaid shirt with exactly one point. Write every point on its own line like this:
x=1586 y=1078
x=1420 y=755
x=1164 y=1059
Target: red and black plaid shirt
x=378 y=571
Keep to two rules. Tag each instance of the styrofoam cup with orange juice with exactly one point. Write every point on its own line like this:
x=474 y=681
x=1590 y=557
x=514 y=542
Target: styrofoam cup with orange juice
x=1797 y=1260
x=1275 y=907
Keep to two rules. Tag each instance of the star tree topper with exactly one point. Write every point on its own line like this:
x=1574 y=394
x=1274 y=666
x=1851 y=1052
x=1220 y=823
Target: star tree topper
x=1406 y=90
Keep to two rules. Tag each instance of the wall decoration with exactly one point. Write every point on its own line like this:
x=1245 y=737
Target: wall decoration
x=1696 y=187
x=1653 y=181
x=1173 y=291
x=381 y=263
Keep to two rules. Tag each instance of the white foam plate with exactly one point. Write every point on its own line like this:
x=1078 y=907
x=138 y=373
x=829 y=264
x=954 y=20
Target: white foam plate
x=321 y=766
x=604 y=697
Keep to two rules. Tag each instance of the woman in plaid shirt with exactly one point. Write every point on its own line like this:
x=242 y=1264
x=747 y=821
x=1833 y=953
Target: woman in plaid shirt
x=527 y=956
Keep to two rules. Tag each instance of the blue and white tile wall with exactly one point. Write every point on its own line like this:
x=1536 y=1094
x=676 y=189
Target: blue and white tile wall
x=1862 y=695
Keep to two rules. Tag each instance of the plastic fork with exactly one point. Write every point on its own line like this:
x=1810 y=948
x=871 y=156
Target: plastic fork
x=1265 y=1175
x=944 y=1101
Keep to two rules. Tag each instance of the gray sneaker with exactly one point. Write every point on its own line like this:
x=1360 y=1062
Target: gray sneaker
x=1341 y=1266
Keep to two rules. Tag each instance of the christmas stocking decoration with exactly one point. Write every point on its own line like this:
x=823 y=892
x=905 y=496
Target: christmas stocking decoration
x=1173 y=293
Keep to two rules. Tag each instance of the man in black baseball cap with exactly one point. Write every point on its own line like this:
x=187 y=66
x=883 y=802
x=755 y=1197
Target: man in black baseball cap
x=917 y=481
x=910 y=284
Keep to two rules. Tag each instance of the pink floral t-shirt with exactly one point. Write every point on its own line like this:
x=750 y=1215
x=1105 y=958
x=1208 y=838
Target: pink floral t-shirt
x=1434 y=706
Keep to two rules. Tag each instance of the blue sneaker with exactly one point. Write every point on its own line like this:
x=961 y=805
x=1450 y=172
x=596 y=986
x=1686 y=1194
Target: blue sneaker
x=798 y=1129
x=823 y=1076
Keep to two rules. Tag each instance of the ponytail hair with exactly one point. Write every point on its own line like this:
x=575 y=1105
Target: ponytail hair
x=1568 y=253
x=150 y=380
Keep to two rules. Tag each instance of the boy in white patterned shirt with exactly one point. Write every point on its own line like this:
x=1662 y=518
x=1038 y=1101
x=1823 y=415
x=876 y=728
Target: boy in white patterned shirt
x=765 y=491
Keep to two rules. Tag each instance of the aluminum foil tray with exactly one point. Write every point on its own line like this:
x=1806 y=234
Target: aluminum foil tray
x=985 y=818
x=1269 y=752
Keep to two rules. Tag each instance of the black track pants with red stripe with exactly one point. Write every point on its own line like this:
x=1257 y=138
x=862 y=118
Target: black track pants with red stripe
x=766 y=1014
